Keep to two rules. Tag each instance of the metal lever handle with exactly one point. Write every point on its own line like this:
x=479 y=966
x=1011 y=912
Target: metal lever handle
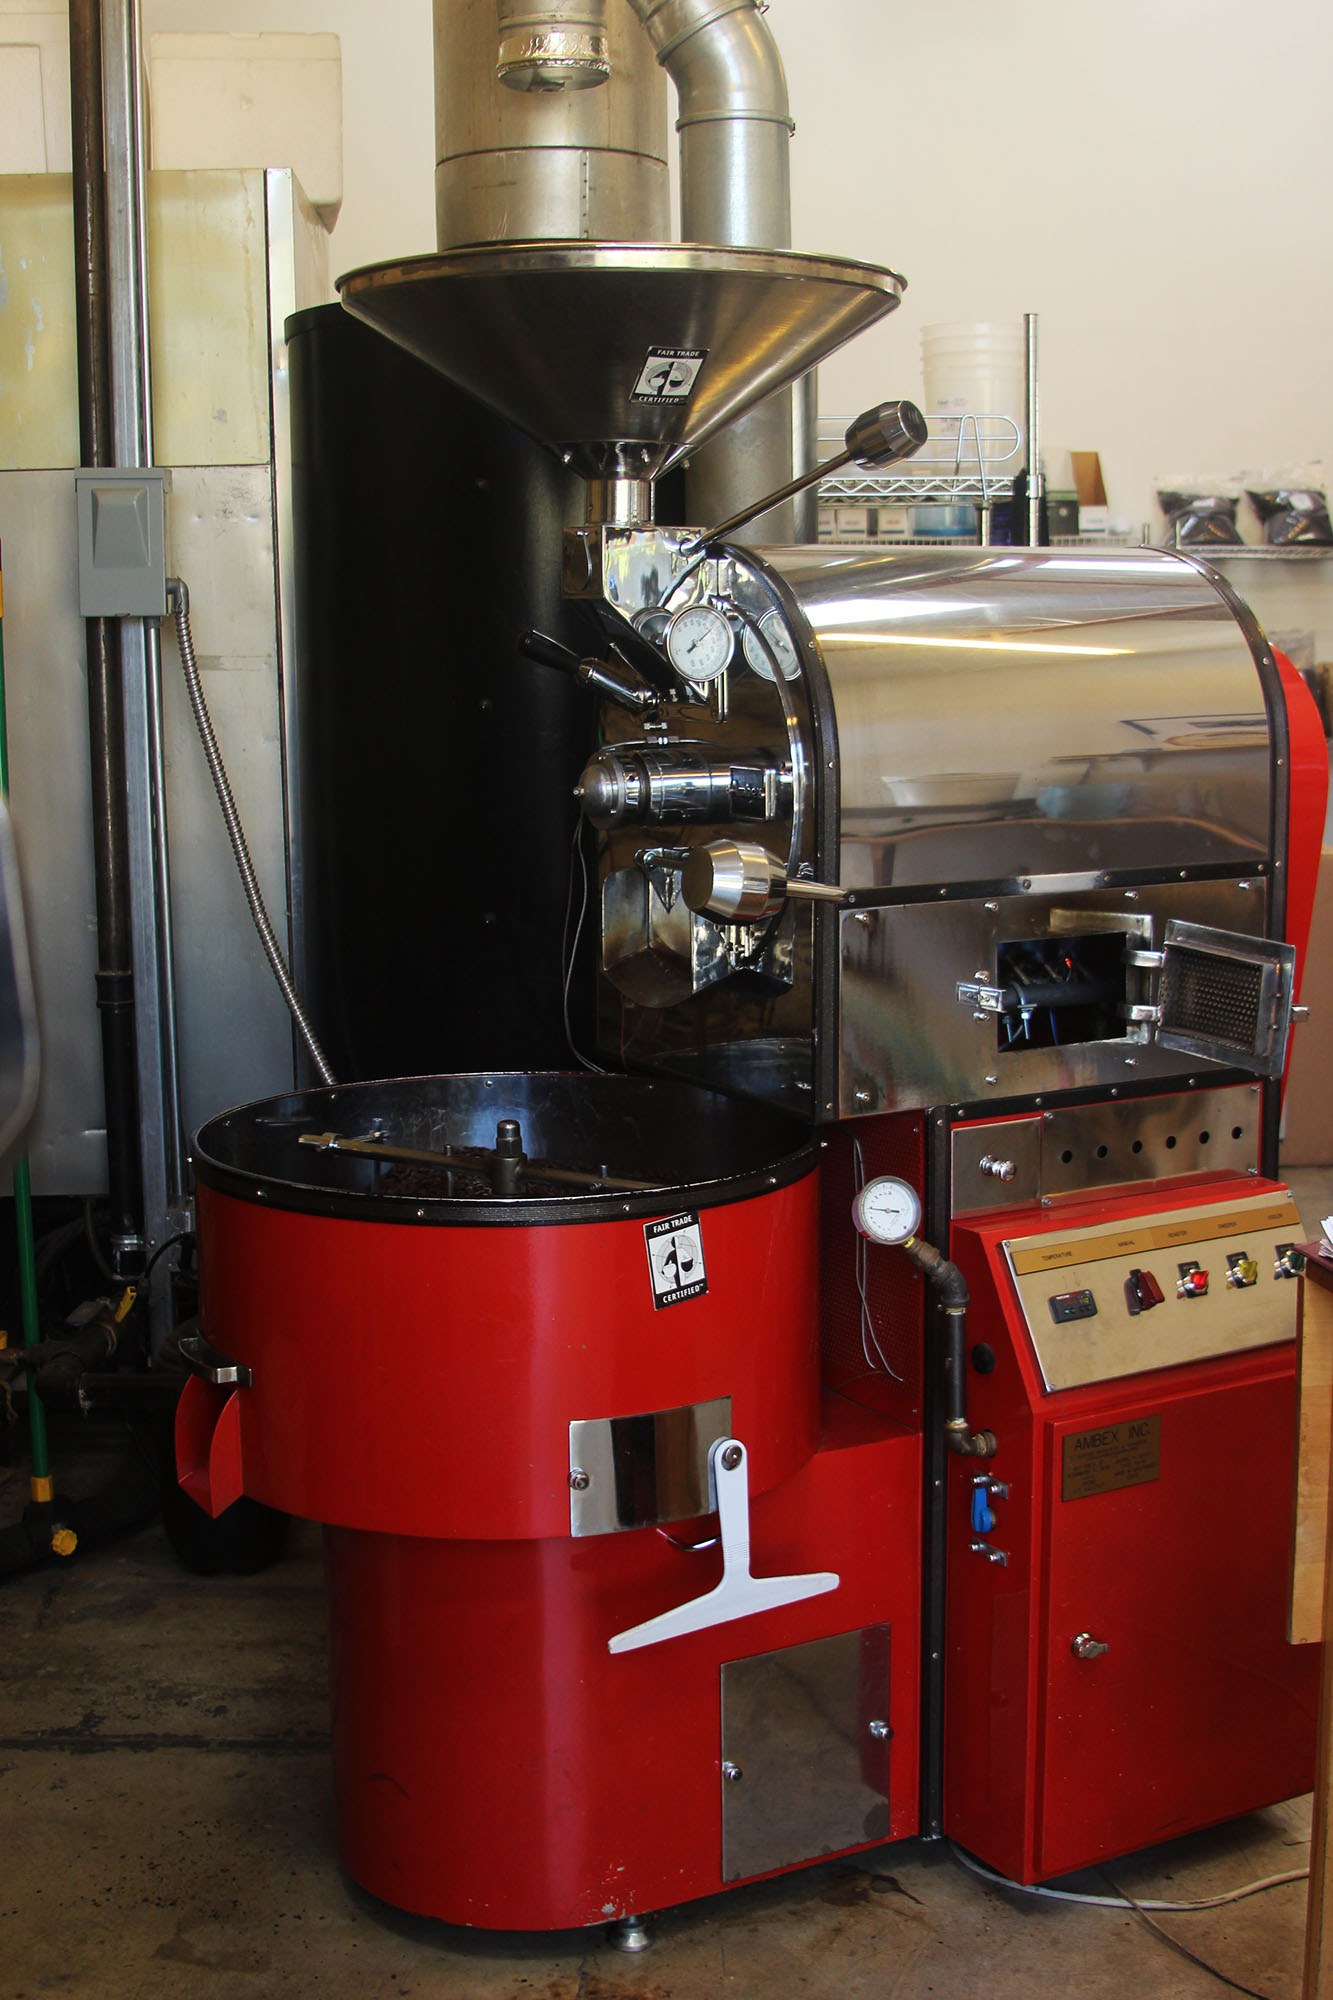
x=1084 y=1647
x=739 y=1595
x=878 y=437
x=204 y=1359
x=738 y=882
x=618 y=683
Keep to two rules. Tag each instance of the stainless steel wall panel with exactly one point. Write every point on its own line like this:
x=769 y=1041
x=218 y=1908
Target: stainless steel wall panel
x=52 y=813
x=235 y=1037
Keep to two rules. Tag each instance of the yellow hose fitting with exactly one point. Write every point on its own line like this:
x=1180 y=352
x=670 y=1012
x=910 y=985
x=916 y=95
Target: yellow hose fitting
x=64 y=1541
x=43 y=1487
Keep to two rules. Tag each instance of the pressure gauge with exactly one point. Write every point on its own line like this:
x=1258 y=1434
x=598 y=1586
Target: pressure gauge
x=699 y=643
x=771 y=638
x=887 y=1210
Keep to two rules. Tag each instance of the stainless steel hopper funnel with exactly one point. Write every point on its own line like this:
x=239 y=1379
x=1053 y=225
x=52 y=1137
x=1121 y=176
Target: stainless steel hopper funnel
x=621 y=356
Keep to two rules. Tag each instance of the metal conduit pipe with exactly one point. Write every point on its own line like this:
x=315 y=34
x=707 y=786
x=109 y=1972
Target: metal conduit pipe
x=552 y=44
x=106 y=724
x=735 y=131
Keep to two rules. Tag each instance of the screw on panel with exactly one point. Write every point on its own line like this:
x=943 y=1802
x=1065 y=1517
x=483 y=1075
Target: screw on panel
x=992 y=1079
x=880 y=1731
x=1131 y=895
x=990 y=906
x=731 y=1772
x=579 y=1482
x=861 y=1096
x=732 y=1456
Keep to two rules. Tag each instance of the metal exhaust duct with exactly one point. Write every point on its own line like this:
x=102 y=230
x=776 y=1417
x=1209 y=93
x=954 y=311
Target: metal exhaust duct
x=735 y=131
x=538 y=164
x=560 y=45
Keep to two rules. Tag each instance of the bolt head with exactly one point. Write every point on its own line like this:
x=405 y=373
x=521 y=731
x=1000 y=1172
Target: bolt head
x=579 y=1482
x=732 y=1457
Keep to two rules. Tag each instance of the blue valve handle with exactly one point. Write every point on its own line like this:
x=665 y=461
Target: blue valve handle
x=983 y=1514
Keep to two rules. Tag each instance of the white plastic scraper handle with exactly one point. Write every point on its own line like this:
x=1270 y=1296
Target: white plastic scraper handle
x=738 y=1595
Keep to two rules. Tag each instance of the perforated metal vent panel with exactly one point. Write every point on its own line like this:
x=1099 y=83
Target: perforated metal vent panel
x=1214 y=997
x=1226 y=997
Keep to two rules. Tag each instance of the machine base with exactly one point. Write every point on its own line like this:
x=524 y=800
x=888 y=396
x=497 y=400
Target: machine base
x=497 y=1766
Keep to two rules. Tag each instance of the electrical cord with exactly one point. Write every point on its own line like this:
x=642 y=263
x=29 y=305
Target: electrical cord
x=1164 y=1936
x=1143 y=1907
x=576 y=859
x=179 y=596
x=1120 y=1900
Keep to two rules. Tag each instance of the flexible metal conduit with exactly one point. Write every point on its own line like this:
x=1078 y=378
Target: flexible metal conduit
x=179 y=597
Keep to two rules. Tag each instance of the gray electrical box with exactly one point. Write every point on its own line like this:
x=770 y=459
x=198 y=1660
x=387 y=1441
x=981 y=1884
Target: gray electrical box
x=122 y=542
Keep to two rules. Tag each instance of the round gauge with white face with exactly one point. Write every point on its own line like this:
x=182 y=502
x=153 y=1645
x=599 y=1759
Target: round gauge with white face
x=887 y=1210
x=771 y=641
x=699 y=643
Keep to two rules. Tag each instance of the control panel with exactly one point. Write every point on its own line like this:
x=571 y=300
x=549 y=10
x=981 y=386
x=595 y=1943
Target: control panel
x=1152 y=1291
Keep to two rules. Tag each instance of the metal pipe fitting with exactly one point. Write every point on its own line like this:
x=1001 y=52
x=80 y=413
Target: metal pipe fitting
x=946 y=1279
x=552 y=44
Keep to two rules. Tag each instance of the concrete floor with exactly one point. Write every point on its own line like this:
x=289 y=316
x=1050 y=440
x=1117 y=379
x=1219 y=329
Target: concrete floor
x=167 y=1822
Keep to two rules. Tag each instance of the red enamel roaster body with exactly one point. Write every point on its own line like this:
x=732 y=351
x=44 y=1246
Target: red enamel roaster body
x=408 y=1365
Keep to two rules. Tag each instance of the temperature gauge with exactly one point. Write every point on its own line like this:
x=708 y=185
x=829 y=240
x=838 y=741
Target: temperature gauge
x=699 y=643
x=768 y=642
x=887 y=1210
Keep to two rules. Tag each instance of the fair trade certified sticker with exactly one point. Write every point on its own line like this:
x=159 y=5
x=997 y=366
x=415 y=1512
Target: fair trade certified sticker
x=675 y=1259
x=668 y=374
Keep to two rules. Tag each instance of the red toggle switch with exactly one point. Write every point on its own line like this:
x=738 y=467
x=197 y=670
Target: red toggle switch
x=1192 y=1282
x=1141 y=1291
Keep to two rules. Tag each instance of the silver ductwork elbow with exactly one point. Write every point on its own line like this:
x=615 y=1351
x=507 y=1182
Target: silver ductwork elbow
x=552 y=44
x=734 y=123
x=735 y=132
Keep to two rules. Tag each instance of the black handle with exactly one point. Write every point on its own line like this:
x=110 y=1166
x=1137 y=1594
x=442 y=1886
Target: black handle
x=549 y=652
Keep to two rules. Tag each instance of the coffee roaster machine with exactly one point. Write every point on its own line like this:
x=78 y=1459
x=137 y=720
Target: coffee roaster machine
x=858 y=1402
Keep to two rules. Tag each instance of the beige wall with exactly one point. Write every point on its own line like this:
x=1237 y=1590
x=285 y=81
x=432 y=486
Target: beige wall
x=1151 y=178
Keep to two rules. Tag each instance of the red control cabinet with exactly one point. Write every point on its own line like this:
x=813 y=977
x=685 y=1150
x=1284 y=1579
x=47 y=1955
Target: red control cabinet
x=1117 y=1664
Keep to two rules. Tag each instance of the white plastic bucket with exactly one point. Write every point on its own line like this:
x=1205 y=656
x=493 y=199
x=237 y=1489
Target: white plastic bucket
x=975 y=369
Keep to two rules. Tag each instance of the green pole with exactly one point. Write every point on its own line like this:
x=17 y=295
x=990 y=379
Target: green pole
x=41 y=1464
